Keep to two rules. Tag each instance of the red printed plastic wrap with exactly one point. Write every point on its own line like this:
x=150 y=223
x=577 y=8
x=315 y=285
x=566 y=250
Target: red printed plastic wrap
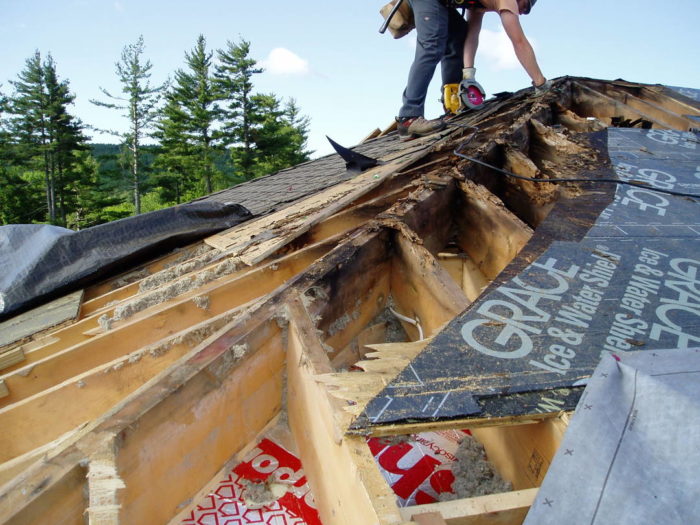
x=418 y=469
x=267 y=462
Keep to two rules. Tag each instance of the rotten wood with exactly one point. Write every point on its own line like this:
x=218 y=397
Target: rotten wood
x=490 y=234
x=253 y=241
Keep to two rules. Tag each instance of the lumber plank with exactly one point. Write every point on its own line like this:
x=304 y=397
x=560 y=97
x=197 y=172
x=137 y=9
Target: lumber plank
x=56 y=496
x=473 y=423
x=372 y=135
x=103 y=485
x=596 y=104
x=155 y=324
x=350 y=294
x=429 y=518
x=522 y=453
x=10 y=469
x=354 y=216
x=44 y=416
x=213 y=414
x=11 y=357
x=667 y=117
x=535 y=199
x=340 y=487
x=429 y=213
x=508 y=508
x=135 y=275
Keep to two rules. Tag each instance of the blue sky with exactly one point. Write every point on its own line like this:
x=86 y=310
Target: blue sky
x=329 y=56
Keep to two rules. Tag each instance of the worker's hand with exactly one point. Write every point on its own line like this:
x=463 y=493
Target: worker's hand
x=543 y=88
x=468 y=73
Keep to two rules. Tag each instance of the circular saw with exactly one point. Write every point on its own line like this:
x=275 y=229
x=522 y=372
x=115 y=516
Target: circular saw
x=471 y=95
x=458 y=98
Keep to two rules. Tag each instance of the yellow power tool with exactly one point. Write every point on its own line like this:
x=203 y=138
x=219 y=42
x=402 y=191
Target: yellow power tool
x=458 y=98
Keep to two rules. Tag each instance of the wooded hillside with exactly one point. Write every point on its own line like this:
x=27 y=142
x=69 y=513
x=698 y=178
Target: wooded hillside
x=203 y=130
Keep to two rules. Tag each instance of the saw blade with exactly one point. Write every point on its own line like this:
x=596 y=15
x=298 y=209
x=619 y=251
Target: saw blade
x=472 y=97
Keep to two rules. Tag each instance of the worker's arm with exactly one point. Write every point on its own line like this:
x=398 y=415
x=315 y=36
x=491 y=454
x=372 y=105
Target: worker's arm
x=472 y=41
x=521 y=45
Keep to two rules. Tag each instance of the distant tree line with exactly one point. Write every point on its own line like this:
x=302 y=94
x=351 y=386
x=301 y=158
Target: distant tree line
x=203 y=130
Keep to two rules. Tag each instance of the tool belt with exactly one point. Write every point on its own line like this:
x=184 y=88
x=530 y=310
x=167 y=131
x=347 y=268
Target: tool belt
x=402 y=22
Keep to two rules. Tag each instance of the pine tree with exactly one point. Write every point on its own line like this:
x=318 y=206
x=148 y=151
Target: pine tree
x=66 y=139
x=234 y=77
x=29 y=126
x=173 y=164
x=21 y=196
x=139 y=105
x=279 y=135
x=45 y=133
x=186 y=128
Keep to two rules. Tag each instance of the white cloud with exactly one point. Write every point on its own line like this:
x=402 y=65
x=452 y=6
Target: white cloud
x=282 y=61
x=496 y=51
x=118 y=6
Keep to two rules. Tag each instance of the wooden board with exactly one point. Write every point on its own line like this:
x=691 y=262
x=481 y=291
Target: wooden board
x=326 y=454
x=508 y=508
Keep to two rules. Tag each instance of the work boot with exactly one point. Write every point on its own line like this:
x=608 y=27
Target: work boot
x=414 y=127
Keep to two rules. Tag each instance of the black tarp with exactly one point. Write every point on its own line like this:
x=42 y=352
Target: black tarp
x=39 y=262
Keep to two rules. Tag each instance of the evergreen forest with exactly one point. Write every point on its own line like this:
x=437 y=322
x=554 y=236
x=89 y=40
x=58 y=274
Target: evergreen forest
x=204 y=130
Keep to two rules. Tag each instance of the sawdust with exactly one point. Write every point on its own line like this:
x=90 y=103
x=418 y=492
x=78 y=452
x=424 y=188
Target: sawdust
x=191 y=338
x=105 y=322
x=474 y=475
x=282 y=320
x=223 y=365
x=340 y=324
x=190 y=254
x=201 y=301
x=129 y=278
x=259 y=494
x=175 y=289
x=174 y=272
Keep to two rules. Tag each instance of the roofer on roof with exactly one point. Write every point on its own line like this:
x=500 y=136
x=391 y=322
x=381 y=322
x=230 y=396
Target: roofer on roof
x=509 y=11
x=442 y=37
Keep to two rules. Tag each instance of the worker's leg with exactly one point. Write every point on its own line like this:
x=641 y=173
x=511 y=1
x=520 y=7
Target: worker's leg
x=431 y=26
x=453 y=61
